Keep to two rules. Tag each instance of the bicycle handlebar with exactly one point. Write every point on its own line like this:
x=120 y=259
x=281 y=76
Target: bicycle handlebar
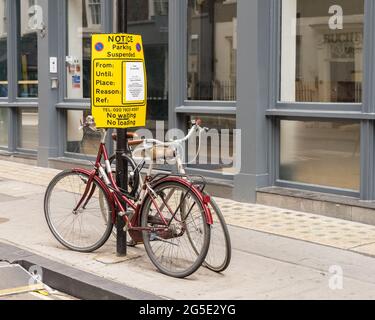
x=195 y=128
x=150 y=143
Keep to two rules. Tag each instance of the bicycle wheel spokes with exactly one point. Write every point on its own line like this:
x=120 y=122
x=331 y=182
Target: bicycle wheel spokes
x=170 y=249
x=78 y=228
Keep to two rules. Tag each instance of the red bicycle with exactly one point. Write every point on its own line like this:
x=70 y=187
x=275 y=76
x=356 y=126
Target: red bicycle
x=175 y=240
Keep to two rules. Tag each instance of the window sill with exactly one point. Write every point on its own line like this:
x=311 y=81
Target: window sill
x=293 y=113
x=217 y=110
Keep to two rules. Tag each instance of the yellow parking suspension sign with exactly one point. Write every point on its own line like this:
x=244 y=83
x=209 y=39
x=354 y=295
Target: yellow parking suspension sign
x=119 y=82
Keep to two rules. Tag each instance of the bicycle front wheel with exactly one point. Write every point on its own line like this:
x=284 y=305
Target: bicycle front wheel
x=82 y=229
x=168 y=237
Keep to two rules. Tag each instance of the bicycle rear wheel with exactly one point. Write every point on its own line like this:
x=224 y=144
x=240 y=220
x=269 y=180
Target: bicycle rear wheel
x=83 y=230
x=220 y=252
x=170 y=250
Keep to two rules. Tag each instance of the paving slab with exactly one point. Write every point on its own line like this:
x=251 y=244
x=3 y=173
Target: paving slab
x=308 y=227
x=111 y=257
x=368 y=249
x=7 y=198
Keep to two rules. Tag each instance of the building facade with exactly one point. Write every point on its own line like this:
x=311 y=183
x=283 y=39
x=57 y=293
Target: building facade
x=295 y=77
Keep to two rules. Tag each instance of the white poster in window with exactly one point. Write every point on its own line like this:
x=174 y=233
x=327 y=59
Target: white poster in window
x=135 y=82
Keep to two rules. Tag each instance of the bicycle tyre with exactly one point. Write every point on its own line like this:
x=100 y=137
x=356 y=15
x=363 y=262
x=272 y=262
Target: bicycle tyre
x=217 y=262
x=210 y=264
x=62 y=195
x=198 y=257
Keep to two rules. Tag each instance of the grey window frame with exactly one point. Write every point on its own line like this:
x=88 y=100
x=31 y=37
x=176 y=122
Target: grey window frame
x=363 y=112
x=4 y=100
x=337 y=109
x=179 y=107
x=17 y=13
x=65 y=104
x=60 y=103
x=13 y=103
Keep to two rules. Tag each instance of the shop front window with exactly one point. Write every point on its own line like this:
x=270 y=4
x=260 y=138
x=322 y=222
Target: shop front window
x=149 y=18
x=218 y=146
x=94 y=12
x=321 y=153
x=84 y=19
x=28 y=133
x=84 y=142
x=322 y=51
x=27 y=51
x=3 y=50
x=3 y=127
x=212 y=50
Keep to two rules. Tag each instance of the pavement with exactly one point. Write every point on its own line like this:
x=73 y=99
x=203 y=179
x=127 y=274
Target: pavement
x=277 y=254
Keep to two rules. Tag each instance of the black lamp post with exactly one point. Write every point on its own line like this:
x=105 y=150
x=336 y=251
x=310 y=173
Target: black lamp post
x=121 y=165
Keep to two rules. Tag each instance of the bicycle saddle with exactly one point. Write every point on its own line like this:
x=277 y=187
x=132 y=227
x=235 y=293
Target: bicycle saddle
x=130 y=135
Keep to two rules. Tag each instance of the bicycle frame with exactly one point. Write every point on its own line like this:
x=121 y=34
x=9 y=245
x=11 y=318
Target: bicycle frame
x=104 y=177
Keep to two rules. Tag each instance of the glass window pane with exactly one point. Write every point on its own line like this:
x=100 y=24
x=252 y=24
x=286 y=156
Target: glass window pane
x=3 y=127
x=28 y=132
x=218 y=147
x=27 y=51
x=322 y=51
x=149 y=18
x=212 y=50
x=321 y=153
x=3 y=49
x=84 y=19
x=85 y=142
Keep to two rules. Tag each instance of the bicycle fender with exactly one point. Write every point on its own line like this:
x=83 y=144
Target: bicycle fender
x=103 y=185
x=205 y=199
